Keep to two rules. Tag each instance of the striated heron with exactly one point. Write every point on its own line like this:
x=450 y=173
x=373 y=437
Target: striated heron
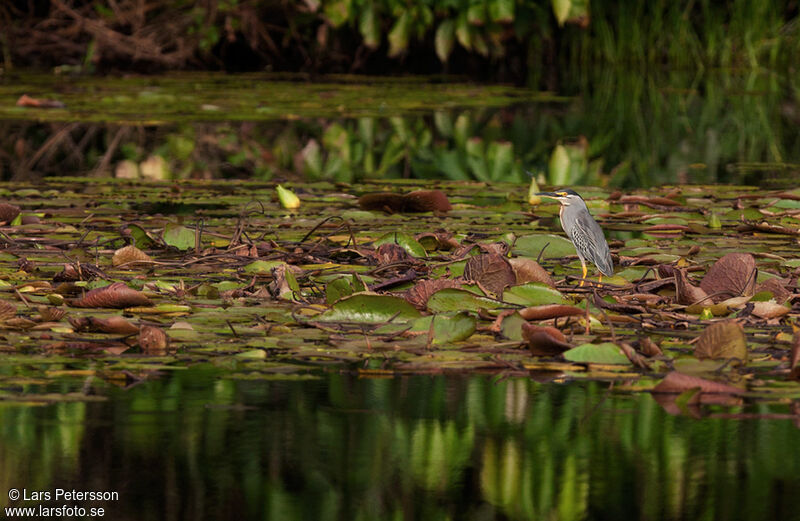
x=584 y=232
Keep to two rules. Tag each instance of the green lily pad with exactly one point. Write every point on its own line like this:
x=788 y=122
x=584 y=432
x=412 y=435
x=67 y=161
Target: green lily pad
x=452 y=299
x=533 y=294
x=368 y=308
x=447 y=328
x=262 y=266
x=605 y=353
x=405 y=241
x=179 y=236
x=532 y=245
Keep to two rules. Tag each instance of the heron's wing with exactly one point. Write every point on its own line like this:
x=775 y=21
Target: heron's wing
x=591 y=243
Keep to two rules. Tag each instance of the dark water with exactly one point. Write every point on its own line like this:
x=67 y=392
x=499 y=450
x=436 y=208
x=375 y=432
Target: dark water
x=195 y=446
x=618 y=128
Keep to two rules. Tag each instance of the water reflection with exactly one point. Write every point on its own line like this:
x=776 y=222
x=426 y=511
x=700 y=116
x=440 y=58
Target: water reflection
x=618 y=128
x=197 y=447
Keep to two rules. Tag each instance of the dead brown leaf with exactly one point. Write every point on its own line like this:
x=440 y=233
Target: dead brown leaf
x=794 y=358
x=116 y=295
x=412 y=202
x=40 y=103
x=549 y=311
x=8 y=212
x=544 y=341
x=686 y=292
x=131 y=256
x=676 y=382
x=153 y=340
x=491 y=270
x=528 y=270
x=7 y=310
x=769 y=309
x=777 y=287
x=418 y=295
x=50 y=313
x=722 y=340
x=114 y=325
x=649 y=348
x=733 y=275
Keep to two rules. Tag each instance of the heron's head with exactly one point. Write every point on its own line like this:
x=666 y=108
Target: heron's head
x=566 y=196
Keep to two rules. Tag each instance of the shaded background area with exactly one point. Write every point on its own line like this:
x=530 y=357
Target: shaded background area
x=193 y=446
x=650 y=92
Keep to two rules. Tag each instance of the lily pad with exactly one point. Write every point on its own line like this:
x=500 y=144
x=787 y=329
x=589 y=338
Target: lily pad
x=447 y=328
x=605 y=353
x=405 y=241
x=534 y=294
x=369 y=308
x=452 y=299
x=554 y=246
x=179 y=236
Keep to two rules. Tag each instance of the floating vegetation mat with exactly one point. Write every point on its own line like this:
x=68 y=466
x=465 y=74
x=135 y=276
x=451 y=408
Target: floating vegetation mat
x=104 y=281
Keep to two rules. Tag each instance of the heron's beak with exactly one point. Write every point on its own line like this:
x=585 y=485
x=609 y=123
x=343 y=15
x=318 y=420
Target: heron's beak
x=549 y=194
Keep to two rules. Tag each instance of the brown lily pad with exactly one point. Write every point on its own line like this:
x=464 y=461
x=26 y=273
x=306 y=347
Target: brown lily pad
x=412 y=202
x=549 y=311
x=794 y=358
x=733 y=275
x=528 y=270
x=687 y=293
x=544 y=340
x=8 y=212
x=116 y=295
x=491 y=270
x=676 y=382
x=40 y=103
x=113 y=325
x=130 y=255
x=722 y=340
x=7 y=311
x=153 y=340
x=418 y=295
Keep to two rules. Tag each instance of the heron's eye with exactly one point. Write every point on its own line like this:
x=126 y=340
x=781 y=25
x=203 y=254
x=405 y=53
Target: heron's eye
x=561 y=194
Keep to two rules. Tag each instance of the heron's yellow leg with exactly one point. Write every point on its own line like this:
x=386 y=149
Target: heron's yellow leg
x=600 y=278
x=583 y=266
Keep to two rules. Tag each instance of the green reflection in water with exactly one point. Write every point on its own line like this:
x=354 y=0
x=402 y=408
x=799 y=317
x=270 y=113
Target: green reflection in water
x=197 y=447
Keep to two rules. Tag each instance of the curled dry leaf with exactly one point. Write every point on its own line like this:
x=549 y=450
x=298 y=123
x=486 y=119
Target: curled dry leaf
x=418 y=295
x=116 y=295
x=412 y=202
x=130 y=255
x=153 y=340
x=777 y=287
x=549 y=311
x=528 y=270
x=676 y=382
x=50 y=313
x=687 y=293
x=427 y=201
x=115 y=325
x=722 y=340
x=733 y=275
x=635 y=358
x=769 y=309
x=794 y=358
x=41 y=103
x=649 y=348
x=390 y=253
x=8 y=212
x=544 y=341
x=491 y=270
x=7 y=311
